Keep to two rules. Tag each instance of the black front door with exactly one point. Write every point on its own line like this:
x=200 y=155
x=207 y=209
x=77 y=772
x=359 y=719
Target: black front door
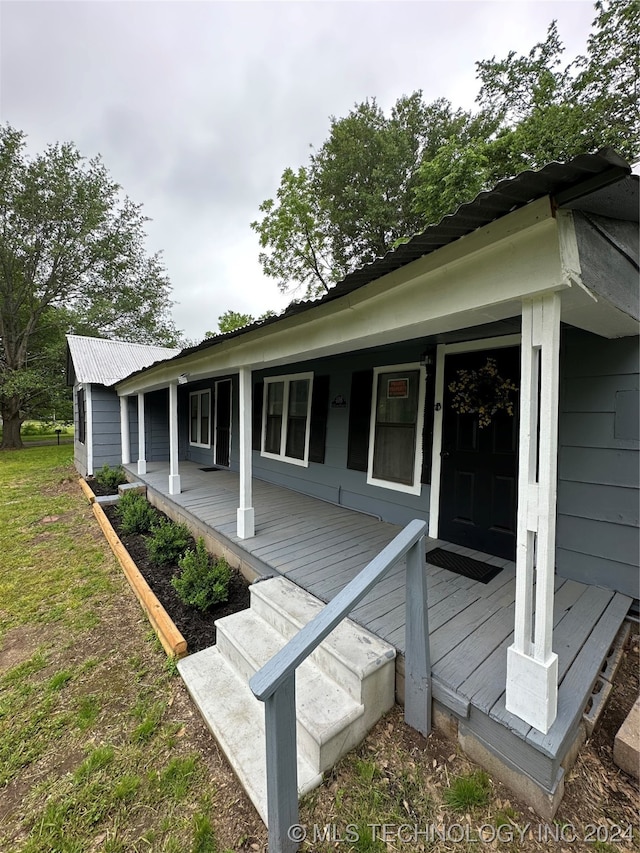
x=223 y=423
x=479 y=474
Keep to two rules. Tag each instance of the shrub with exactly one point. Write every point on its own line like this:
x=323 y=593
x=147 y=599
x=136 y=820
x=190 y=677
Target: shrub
x=110 y=478
x=135 y=513
x=203 y=581
x=167 y=542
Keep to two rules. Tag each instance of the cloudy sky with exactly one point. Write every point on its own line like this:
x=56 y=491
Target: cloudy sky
x=197 y=107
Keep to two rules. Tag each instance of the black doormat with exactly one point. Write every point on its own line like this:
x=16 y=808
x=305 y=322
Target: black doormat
x=213 y=468
x=461 y=565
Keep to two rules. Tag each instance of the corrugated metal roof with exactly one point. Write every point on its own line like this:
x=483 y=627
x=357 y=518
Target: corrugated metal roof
x=105 y=362
x=566 y=182
x=594 y=170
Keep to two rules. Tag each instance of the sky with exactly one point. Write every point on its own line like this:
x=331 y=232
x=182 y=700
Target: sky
x=197 y=107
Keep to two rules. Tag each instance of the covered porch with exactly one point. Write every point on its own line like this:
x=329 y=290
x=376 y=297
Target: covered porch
x=321 y=547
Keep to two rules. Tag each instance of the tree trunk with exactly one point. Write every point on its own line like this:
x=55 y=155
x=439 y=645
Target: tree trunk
x=11 y=423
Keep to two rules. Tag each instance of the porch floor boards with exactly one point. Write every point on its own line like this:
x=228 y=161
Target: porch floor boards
x=321 y=547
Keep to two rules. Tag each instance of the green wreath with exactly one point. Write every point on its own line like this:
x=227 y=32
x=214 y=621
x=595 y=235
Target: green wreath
x=483 y=392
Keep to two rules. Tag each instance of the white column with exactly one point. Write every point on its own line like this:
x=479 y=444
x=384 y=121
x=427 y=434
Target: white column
x=532 y=666
x=142 y=452
x=246 y=515
x=124 y=430
x=174 y=475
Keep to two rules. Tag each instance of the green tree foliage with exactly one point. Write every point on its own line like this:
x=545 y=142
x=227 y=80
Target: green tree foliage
x=232 y=320
x=379 y=178
x=295 y=232
x=72 y=258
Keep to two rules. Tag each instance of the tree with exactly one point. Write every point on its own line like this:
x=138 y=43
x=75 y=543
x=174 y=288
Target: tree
x=72 y=258
x=379 y=179
x=355 y=197
x=231 y=320
x=295 y=231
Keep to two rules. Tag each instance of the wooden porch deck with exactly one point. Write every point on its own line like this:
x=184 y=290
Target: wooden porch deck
x=321 y=547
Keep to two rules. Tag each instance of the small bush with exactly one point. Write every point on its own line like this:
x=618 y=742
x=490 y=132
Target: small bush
x=202 y=581
x=135 y=513
x=110 y=478
x=167 y=542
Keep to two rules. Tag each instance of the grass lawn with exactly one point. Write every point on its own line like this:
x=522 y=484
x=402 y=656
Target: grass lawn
x=101 y=749
x=99 y=746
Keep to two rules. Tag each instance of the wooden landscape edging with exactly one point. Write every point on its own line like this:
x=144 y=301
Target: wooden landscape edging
x=172 y=640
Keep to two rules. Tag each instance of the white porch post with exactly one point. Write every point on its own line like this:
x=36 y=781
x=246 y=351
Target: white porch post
x=532 y=666
x=174 y=475
x=245 y=515
x=124 y=430
x=142 y=452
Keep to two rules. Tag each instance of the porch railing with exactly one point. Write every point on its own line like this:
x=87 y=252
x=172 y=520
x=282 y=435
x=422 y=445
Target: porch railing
x=274 y=684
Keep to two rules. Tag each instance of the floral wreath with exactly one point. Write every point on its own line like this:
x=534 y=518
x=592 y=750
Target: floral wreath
x=483 y=392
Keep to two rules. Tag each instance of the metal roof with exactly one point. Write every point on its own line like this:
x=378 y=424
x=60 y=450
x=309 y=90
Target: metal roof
x=106 y=362
x=568 y=183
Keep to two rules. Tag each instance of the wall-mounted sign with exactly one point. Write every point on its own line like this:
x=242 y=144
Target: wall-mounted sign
x=397 y=389
x=339 y=402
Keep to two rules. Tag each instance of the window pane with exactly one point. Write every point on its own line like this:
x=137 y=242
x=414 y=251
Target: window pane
x=394 y=448
x=297 y=419
x=394 y=453
x=204 y=418
x=194 y=419
x=298 y=398
x=275 y=395
x=398 y=397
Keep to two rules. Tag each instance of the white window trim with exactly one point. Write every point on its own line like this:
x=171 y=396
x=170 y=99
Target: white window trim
x=287 y=379
x=199 y=394
x=416 y=488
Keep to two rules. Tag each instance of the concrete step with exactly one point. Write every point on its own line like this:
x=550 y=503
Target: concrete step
x=236 y=719
x=341 y=691
x=329 y=721
x=361 y=663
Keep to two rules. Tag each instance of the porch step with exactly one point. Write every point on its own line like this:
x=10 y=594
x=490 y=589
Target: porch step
x=341 y=691
x=356 y=659
x=328 y=719
x=236 y=719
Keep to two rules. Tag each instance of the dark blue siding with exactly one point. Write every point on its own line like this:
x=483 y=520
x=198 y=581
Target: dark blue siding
x=598 y=462
x=332 y=480
x=105 y=407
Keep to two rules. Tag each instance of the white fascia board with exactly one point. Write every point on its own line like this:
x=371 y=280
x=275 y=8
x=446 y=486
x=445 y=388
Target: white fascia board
x=478 y=279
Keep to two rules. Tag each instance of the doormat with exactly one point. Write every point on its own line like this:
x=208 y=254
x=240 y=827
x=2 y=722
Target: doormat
x=461 y=565
x=213 y=468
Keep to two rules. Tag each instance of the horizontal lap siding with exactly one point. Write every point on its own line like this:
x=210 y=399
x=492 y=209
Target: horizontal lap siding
x=107 y=446
x=598 y=465
x=156 y=418
x=332 y=480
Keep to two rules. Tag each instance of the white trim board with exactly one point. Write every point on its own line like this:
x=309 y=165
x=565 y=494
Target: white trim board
x=436 y=448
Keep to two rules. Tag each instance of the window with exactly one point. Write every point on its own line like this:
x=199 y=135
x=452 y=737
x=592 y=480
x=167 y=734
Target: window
x=82 y=415
x=397 y=413
x=199 y=418
x=286 y=418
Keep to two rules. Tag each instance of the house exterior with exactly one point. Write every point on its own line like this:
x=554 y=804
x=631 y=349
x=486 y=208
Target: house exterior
x=358 y=398
x=93 y=366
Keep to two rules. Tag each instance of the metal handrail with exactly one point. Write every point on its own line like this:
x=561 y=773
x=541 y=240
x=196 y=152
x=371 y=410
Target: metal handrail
x=274 y=683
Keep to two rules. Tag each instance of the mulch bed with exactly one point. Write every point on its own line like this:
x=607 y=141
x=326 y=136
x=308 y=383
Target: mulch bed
x=196 y=627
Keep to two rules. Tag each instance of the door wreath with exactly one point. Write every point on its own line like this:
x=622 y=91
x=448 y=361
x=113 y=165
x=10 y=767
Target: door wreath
x=483 y=392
